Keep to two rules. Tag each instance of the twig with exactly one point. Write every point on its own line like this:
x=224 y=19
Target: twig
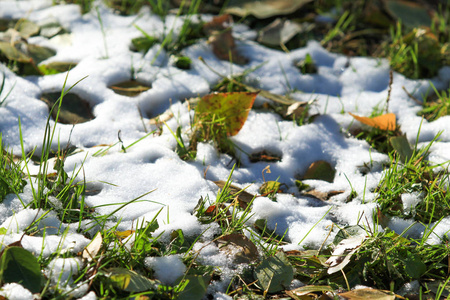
x=411 y=96
x=391 y=80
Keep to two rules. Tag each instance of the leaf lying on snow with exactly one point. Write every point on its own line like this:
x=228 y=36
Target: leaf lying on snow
x=221 y=39
x=320 y=170
x=324 y=196
x=383 y=122
x=233 y=108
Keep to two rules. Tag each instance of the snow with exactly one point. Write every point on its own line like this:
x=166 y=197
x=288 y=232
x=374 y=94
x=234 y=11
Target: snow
x=15 y=291
x=167 y=268
x=342 y=85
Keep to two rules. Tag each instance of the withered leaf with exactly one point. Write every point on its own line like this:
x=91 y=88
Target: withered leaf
x=239 y=246
x=368 y=294
x=91 y=250
x=383 y=122
x=221 y=39
x=243 y=198
x=130 y=88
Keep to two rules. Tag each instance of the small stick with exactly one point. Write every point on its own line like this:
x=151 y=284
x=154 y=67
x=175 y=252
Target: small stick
x=411 y=96
x=391 y=80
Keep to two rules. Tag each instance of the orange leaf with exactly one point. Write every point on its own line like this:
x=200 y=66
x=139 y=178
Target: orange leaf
x=210 y=209
x=383 y=122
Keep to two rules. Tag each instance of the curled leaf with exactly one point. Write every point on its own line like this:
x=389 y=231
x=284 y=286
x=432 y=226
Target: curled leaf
x=383 y=122
x=92 y=249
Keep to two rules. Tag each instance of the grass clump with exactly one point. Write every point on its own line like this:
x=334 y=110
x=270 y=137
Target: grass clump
x=11 y=173
x=419 y=177
x=417 y=54
x=439 y=107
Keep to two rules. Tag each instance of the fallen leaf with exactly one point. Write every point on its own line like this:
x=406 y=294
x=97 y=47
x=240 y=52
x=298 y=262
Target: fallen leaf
x=50 y=27
x=320 y=170
x=20 y=266
x=57 y=67
x=401 y=145
x=343 y=252
x=411 y=13
x=27 y=28
x=195 y=288
x=275 y=273
x=221 y=39
x=74 y=109
x=233 y=108
x=307 y=289
x=130 y=88
x=265 y=8
x=383 y=122
x=11 y=53
x=239 y=247
x=368 y=294
x=244 y=198
x=324 y=196
x=129 y=280
x=124 y=234
x=279 y=32
x=92 y=249
x=264 y=156
x=270 y=187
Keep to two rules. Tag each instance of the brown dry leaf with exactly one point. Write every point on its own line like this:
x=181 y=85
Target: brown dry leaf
x=130 y=88
x=243 y=197
x=383 y=122
x=221 y=39
x=307 y=290
x=265 y=8
x=368 y=294
x=93 y=248
x=239 y=247
x=324 y=196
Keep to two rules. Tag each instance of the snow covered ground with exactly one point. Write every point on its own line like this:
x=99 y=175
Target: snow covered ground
x=341 y=85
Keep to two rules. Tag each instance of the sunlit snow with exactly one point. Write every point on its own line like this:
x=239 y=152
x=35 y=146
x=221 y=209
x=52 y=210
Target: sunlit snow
x=342 y=85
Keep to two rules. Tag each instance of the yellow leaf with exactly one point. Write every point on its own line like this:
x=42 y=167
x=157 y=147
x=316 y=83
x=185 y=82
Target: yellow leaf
x=383 y=122
x=124 y=234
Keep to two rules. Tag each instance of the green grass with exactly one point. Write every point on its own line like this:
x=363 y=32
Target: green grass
x=436 y=107
x=418 y=176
